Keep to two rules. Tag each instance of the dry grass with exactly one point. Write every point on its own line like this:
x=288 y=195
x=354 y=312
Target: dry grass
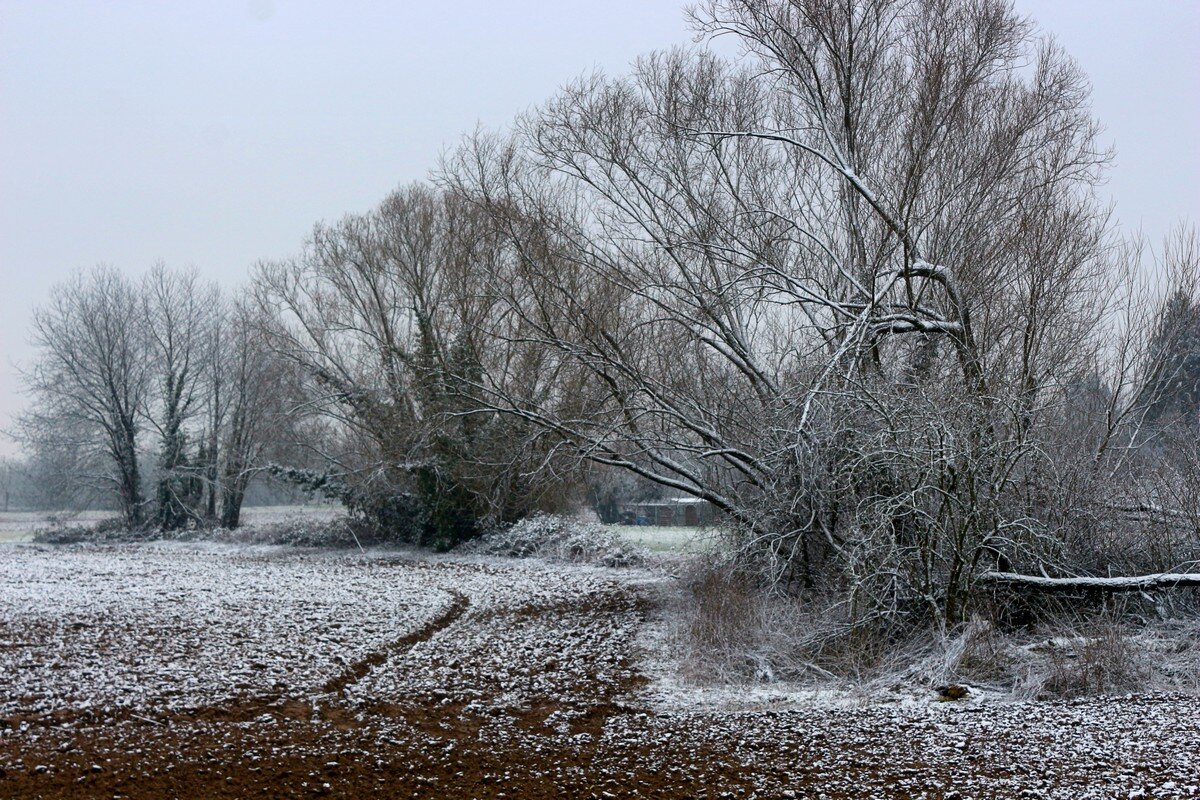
x=1081 y=658
x=726 y=629
x=729 y=630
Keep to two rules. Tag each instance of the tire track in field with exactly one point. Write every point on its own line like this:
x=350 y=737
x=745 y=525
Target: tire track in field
x=358 y=670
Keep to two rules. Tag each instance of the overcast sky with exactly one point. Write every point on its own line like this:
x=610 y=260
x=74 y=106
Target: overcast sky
x=216 y=132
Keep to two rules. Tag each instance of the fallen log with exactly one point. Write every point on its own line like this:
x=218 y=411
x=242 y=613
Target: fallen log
x=1148 y=511
x=1134 y=583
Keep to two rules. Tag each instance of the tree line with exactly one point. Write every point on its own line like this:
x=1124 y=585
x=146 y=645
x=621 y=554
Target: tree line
x=855 y=287
x=166 y=370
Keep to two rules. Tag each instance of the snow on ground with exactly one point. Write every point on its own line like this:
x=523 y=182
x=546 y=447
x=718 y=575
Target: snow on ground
x=539 y=645
x=20 y=526
x=213 y=671
x=180 y=627
x=671 y=538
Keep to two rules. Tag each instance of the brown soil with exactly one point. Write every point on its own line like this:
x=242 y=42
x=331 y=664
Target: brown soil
x=289 y=747
x=581 y=729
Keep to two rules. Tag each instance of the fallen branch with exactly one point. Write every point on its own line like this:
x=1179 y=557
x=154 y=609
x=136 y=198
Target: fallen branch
x=1148 y=511
x=1136 y=583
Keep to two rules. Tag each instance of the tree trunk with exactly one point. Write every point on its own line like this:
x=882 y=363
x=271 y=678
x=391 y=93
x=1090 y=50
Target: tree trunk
x=233 y=494
x=1135 y=583
x=129 y=476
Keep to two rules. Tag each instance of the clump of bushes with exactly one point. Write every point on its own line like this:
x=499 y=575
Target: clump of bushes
x=414 y=506
x=300 y=530
x=729 y=627
x=60 y=531
x=296 y=530
x=558 y=538
x=1100 y=659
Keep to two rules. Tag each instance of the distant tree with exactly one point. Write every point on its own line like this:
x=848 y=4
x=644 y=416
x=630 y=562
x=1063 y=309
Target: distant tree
x=179 y=311
x=252 y=391
x=8 y=481
x=1175 y=368
x=92 y=379
x=164 y=364
x=609 y=488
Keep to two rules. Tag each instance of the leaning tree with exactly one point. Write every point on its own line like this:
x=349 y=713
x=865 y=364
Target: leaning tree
x=833 y=286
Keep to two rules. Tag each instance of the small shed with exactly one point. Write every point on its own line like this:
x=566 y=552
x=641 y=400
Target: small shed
x=690 y=512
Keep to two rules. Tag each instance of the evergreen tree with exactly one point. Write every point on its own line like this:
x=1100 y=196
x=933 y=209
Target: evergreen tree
x=1174 y=385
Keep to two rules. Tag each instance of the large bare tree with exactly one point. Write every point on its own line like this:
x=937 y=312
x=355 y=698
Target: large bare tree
x=380 y=314
x=828 y=286
x=93 y=377
x=250 y=392
x=180 y=311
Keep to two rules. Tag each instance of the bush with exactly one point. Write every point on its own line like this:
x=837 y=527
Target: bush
x=298 y=530
x=113 y=529
x=437 y=513
x=725 y=632
x=1106 y=662
x=557 y=538
x=1084 y=657
x=731 y=628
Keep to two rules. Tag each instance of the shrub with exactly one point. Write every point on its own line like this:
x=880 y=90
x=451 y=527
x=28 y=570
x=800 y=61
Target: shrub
x=113 y=529
x=557 y=538
x=1092 y=658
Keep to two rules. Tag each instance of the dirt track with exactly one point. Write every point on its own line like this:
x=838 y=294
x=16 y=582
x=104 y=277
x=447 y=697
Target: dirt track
x=520 y=681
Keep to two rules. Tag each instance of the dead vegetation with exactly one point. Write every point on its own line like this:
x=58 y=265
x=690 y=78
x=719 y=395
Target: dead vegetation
x=729 y=630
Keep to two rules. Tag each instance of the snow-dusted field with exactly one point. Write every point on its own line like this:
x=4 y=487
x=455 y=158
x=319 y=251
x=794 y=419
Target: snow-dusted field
x=671 y=538
x=174 y=628
x=20 y=526
x=212 y=671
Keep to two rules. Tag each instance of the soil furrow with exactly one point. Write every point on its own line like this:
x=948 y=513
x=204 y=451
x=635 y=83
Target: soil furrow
x=537 y=694
x=355 y=672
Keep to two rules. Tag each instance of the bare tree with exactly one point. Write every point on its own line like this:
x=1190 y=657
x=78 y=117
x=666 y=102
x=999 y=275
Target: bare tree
x=350 y=313
x=740 y=273
x=853 y=287
x=380 y=314
x=93 y=377
x=179 y=311
x=1110 y=480
x=252 y=391
x=1175 y=345
x=9 y=480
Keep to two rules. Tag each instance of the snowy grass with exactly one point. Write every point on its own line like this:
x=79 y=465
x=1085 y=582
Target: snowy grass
x=20 y=526
x=670 y=539
x=729 y=638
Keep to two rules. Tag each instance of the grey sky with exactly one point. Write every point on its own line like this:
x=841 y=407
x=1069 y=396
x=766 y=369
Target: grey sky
x=217 y=132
